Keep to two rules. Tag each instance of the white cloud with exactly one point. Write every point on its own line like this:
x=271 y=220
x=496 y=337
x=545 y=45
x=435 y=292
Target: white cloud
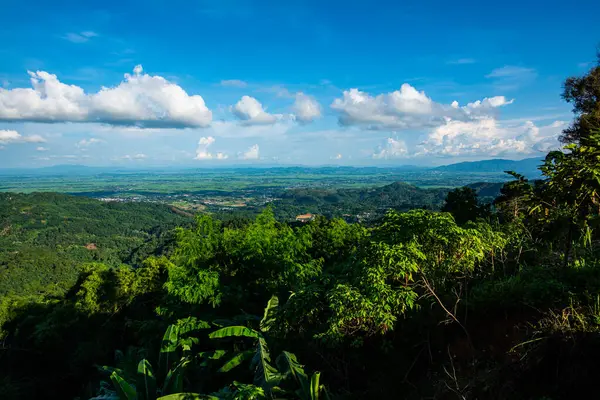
x=485 y=107
x=511 y=77
x=406 y=108
x=40 y=148
x=251 y=112
x=251 y=154
x=234 y=83
x=489 y=137
x=462 y=61
x=10 y=136
x=306 y=108
x=392 y=148
x=80 y=37
x=88 y=142
x=202 y=152
x=141 y=99
x=277 y=90
x=139 y=156
x=509 y=70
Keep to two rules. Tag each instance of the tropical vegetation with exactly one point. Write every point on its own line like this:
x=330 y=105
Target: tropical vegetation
x=478 y=300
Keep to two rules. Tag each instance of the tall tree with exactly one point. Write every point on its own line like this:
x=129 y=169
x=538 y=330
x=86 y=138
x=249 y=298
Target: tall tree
x=463 y=204
x=584 y=93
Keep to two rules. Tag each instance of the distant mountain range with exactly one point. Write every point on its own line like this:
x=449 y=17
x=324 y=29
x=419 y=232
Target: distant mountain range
x=528 y=166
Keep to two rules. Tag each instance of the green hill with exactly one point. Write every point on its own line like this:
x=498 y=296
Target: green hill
x=43 y=237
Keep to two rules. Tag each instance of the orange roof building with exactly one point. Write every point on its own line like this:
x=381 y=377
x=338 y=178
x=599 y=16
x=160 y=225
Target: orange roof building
x=305 y=217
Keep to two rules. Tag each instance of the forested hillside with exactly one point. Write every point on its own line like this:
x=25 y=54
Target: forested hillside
x=46 y=237
x=476 y=301
x=369 y=203
x=353 y=202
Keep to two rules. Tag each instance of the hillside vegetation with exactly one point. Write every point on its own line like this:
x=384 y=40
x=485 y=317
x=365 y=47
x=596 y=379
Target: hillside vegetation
x=43 y=237
x=476 y=301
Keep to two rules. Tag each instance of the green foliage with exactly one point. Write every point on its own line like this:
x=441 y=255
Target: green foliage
x=584 y=93
x=125 y=390
x=234 y=331
x=146 y=381
x=473 y=301
x=144 y=385
x=464 y=206
x=43 y=238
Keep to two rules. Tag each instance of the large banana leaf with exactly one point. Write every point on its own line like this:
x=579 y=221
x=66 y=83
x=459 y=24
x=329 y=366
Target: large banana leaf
x=146 y=382
x=168 y=349
x=265 y=375
x=174 y=380
x=234 y=331
x=236 y=360
x=269 y=316
x=205 y=356
x=125 y=390
x=290 y=368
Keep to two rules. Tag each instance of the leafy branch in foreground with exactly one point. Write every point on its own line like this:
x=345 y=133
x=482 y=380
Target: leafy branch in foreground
x=287 y=378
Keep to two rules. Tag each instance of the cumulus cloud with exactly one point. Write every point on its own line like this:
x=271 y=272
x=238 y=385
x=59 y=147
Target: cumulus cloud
x=406 y=108
x=392 y=148
x=140 y=99
x=251 y=112
x=251 y=154
x=489 y=137
x=40 y=148
x=234 y=83
x=491 y=102
x=80 y=37
x=202 y=152
x=10 y=136
x=306 y=108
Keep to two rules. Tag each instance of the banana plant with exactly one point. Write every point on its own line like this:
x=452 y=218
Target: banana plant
x=171 y=368
x=285 y=379
x=267 y=377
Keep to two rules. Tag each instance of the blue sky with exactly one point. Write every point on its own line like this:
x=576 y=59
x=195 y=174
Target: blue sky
x=204 y=83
